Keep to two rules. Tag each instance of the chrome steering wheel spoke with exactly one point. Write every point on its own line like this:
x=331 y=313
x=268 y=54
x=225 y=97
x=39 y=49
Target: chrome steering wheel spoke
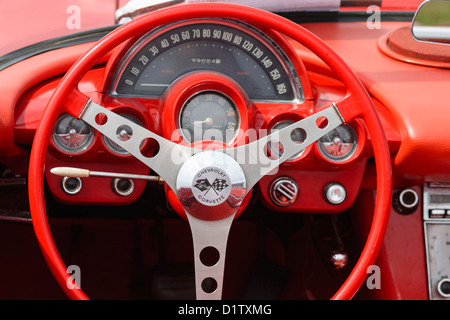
x=210 y=245
x=211 y=185
x=255 y=158
x=165 y=161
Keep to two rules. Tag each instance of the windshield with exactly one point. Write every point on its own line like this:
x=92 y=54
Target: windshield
x=26 y=22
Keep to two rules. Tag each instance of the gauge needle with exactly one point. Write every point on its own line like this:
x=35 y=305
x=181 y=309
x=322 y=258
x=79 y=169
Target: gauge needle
x=338 y=143
x=208 y=121
x=84 y=173
x=73 y=137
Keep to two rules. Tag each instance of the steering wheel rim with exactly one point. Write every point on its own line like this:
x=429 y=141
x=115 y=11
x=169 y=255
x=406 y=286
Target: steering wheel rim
x=67 y=91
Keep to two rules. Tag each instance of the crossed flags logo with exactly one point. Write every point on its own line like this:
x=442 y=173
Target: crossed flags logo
x=211 y=178
x=217 y=186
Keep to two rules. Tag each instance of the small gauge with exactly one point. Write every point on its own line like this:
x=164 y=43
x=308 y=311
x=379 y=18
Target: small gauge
x=123 y=134
x=71 y=135
x=339 y=144
x=297 y=135
x=209 y=115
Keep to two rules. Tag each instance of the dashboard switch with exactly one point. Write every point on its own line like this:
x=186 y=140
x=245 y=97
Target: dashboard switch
x=284 y=191
x=335 y=193
x=443 y=288
x=437 y=213
x=122 y=187
x=71 y=185
x=405 y=201
x=338 y=259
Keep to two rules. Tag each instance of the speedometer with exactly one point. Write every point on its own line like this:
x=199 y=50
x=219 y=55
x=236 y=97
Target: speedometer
x=257 y=65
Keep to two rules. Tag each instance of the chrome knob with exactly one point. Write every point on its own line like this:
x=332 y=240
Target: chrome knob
x=335 y=193
x=338 y=259
x=405 y=201
x=122 y=187
x=71 y=185
x=443 y=288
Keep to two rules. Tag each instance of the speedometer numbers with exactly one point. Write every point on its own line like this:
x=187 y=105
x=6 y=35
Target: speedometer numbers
x=256 y=65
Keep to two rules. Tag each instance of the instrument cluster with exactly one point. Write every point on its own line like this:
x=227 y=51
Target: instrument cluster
x=214 y=80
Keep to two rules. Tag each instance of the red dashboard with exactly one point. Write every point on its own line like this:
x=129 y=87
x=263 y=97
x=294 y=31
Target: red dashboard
x=310 y=172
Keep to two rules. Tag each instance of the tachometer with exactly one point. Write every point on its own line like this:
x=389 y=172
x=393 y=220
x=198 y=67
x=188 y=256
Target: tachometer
x=209 y=116
x=257 y=65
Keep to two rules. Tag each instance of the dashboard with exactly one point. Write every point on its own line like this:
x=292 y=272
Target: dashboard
x=222 y=83
x=199 y=81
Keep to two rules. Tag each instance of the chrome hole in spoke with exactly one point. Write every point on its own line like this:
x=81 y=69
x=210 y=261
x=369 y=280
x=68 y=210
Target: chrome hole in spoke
x=101 y=119
x=322 y=122
x=150 y=147
x=209 y=285
x=209 y=256
x=298 y=135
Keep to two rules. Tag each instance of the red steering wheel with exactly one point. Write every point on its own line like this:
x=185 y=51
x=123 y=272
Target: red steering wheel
x=67 y=98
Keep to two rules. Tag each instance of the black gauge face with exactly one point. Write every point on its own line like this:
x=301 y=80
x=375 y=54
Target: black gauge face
x=339 y=144
x=209 y=116
x=71 y=135
x=251 y=62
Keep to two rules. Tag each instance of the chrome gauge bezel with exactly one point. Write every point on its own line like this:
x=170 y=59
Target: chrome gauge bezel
x=59 y=145
x=348 y=155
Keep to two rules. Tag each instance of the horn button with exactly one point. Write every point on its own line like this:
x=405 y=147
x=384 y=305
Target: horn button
x=211 y=185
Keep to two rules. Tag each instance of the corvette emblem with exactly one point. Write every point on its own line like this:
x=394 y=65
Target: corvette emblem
x=218 y=185
x=211 y=186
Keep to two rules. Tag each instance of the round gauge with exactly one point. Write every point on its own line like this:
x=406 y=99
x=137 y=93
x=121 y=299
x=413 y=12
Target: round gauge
x=122 y=134
x=339 y=144
x=297 y=135
x=208 y=116
x=71 y=135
